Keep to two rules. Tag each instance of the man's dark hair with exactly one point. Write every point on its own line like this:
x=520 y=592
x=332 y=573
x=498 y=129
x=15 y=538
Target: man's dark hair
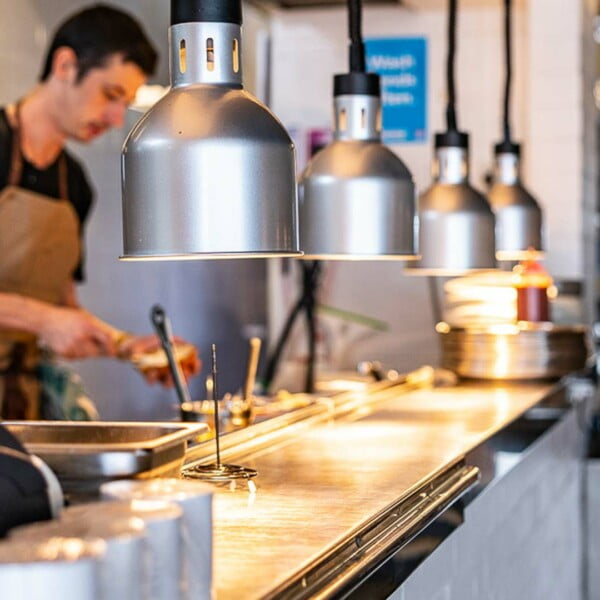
x=98 y=32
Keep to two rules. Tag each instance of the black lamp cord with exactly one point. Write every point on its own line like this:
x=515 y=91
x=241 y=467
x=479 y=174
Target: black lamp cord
x=307 y=302
x=451 y=108
x=508 y=58
x=311 y=270
x=357 y=46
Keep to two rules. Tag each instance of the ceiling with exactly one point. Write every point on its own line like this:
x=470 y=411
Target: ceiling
x=315 y=3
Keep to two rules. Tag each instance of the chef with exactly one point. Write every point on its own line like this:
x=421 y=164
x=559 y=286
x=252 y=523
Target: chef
x=96 y=61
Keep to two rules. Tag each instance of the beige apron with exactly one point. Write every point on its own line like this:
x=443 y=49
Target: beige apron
x=39 y=250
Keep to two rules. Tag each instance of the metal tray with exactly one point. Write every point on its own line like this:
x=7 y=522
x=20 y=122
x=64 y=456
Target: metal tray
x=85 y=455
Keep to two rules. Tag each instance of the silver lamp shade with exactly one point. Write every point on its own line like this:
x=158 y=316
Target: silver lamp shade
x=518 y=215
x=357 y=198
x=456 y=223
x=208 y=171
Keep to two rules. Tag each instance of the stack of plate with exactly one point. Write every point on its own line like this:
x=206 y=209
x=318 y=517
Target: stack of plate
x=521 y=351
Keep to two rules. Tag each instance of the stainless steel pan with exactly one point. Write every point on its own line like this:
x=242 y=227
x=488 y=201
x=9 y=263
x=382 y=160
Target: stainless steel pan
x=84 y=455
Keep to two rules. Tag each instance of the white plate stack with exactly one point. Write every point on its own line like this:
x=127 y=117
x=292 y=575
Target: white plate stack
x=163 y=560
x=195 y=499
x=122 y=573
x=59 y=568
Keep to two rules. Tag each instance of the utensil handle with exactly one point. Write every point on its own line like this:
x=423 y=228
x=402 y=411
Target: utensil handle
x=255 y=344
x=162 y=326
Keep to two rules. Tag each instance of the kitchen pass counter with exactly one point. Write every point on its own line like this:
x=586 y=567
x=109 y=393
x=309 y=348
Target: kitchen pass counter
x=338 y=496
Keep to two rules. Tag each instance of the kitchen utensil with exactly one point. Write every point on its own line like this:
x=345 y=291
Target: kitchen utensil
x=255 y=344
x=162 y=326
x=241 y=409
x=216 y=402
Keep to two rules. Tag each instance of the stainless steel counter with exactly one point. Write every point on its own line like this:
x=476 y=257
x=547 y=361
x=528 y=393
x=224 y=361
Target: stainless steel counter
x=322 y=487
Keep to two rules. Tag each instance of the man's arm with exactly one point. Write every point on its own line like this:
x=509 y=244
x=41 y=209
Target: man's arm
x=70 y=332
x=129 y=345
x=22 y=313
x=70 y=298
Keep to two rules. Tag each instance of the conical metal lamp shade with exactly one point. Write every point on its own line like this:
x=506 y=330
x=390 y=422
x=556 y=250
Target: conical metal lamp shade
x=456 y=223
x=357 y=198
x=518 y=215
x=208 y=172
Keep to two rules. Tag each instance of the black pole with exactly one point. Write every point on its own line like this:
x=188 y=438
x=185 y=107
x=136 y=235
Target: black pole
x=312 y=276
x=273 y=363
x=306 y=303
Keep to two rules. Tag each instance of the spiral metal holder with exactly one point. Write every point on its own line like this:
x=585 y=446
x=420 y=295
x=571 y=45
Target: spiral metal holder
x=218 y=472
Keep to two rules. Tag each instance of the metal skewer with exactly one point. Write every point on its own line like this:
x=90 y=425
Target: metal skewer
x=216 y=403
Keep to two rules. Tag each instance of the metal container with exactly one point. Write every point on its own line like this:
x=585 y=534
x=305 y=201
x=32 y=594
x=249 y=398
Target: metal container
x=520 y=351
x=85 y=455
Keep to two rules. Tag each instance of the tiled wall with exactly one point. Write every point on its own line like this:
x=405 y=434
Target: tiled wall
x=554 y=129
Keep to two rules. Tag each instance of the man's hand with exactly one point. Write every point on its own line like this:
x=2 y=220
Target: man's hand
x=147 y=354
x=74 y=333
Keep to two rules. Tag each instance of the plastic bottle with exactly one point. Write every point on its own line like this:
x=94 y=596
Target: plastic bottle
x=532 y=282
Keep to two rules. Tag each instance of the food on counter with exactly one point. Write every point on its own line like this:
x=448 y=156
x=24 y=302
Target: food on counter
x=157 y=359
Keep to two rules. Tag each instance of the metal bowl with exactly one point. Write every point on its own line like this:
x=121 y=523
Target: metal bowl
x=521 y=351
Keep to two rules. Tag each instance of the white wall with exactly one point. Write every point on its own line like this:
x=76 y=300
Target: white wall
x=309 y=46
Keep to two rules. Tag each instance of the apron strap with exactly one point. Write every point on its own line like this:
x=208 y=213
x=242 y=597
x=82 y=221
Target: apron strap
x=16 y=160
x=15 y=403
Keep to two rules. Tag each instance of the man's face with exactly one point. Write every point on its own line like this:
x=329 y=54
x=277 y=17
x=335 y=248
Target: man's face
x=98 y=101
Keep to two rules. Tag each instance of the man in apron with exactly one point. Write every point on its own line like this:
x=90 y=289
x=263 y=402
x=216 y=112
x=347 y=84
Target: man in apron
x=96 y=61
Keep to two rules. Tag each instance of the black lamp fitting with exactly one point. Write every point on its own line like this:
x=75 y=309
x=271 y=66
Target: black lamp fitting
x=364 y=84
x=206 y=11
x=452 y=139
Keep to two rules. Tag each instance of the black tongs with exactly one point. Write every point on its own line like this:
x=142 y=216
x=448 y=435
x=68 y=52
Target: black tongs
x=162 y=326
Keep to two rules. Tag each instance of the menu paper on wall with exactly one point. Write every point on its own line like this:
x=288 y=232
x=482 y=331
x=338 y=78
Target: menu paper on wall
x=402 y=65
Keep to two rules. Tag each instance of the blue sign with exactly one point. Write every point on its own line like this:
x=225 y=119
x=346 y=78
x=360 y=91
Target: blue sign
x=402 y=66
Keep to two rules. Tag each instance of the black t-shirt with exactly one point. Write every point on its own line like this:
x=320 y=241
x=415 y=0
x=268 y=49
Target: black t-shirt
x=46 y=181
